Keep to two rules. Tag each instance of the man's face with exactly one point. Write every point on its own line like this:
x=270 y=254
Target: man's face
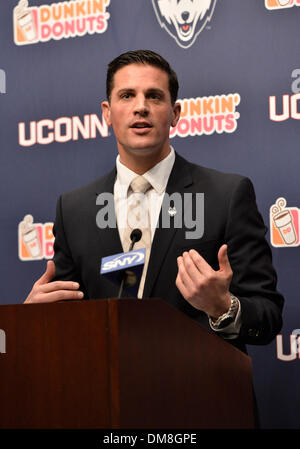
x=140 y=111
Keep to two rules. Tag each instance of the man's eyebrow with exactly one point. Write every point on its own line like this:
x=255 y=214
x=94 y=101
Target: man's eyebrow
x=155 y=90
x=151 y=90
x=126 y=89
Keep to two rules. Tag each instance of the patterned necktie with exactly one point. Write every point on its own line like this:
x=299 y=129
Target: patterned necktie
x=138 y=217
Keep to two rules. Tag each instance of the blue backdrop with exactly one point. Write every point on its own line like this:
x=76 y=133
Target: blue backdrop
x=239 y=71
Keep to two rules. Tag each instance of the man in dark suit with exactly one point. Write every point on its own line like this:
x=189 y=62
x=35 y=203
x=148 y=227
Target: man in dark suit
x=224 y=279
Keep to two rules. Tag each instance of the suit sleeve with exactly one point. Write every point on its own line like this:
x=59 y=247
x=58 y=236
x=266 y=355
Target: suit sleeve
x=254 y=278
x=64 y=264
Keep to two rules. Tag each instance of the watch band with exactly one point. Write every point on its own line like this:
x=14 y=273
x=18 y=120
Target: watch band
x=227 y=317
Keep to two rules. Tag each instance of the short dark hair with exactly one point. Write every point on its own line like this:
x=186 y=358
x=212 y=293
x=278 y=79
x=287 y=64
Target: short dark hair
x=146 y=57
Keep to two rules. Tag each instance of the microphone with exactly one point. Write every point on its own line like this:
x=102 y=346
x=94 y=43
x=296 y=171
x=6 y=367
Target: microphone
x=135 y=236
x=125 y=269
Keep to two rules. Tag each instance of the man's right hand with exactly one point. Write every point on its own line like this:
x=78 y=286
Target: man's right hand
x=46 y=291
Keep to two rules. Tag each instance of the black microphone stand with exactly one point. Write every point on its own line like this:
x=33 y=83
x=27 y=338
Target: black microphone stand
x=135 y=236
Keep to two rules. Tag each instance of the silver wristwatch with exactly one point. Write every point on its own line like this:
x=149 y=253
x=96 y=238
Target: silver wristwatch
x=227 y=317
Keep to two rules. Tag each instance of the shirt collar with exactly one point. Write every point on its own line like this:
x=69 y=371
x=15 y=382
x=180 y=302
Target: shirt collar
x=157 y=176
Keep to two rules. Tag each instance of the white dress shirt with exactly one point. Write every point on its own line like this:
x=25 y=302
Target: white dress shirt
x=158 y=177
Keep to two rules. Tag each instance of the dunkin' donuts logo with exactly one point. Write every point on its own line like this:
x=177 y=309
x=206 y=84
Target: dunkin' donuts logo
x=207 y=115
x=35 y=240
x=284 y=224
x=280 y=4
x=59 y=20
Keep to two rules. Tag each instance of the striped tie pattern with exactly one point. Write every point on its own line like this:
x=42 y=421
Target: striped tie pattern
x=138 y=217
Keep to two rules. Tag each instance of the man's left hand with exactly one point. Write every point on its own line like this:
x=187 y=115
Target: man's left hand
x=202 y=286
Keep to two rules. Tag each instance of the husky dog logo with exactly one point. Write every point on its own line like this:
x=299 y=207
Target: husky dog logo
x=184 y=19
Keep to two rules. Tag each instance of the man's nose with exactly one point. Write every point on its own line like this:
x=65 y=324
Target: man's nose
x=141 y=105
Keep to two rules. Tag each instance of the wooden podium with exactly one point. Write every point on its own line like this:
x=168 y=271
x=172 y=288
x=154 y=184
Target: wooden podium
x=118 y=364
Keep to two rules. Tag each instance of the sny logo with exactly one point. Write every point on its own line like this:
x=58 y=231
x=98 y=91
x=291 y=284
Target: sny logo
x=123 y=260
x=184 y=19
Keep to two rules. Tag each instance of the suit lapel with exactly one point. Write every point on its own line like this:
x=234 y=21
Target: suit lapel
x=179 y=180
x=108 y=238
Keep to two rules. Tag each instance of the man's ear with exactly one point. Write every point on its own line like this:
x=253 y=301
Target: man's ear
x=106 y=112
x=176 y=113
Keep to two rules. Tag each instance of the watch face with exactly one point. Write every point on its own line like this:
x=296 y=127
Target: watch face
x=225 y=322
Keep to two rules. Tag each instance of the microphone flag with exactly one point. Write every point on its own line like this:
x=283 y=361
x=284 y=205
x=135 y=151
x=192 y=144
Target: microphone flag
x=127 y=265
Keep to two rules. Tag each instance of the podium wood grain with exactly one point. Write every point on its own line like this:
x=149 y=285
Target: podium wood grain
x=118 y=364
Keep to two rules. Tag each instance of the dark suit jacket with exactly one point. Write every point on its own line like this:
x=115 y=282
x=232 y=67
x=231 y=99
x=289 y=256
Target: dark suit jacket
x=230 y=216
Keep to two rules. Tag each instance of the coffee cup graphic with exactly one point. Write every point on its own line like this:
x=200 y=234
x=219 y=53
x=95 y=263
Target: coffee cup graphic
x=283 y=221
x=25 y=20
x=30 y=236
x=283 y=2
